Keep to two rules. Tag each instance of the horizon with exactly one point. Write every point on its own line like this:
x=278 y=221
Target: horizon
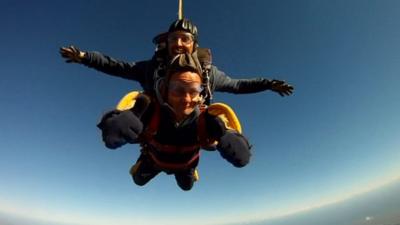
x=298 y=211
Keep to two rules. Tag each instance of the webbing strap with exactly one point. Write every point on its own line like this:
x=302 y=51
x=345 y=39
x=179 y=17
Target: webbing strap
x=174 y=166
x=173 y=149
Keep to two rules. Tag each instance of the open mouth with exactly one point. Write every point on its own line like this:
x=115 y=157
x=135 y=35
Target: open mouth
x=179 y=51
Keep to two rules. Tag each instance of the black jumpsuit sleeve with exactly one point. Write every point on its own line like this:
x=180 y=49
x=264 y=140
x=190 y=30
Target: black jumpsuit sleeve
x=132 y=71
x=222 y=83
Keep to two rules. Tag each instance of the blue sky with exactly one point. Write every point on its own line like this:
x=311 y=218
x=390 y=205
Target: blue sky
x=336 y=135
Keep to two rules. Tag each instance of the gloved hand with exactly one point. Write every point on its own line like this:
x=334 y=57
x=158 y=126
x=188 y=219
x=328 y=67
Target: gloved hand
x=235 y=148
x=111 y=138
x=141 y=105
x=215 y=127
x=279 y=86
x=119 y=128
x=72 y=54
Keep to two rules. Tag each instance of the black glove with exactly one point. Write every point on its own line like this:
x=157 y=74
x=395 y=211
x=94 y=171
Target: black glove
x=279 y=86
x=111 y=138
x=215 y=127
x=72 y=54
x=235 y=148
x=141 y=105
x=119 y=128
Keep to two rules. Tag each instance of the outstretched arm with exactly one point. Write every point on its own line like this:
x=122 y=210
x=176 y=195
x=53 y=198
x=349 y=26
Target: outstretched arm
x=223 y=83
x=106 y=64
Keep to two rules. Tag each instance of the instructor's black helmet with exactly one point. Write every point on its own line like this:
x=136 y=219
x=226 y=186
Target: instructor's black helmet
x=184 y=25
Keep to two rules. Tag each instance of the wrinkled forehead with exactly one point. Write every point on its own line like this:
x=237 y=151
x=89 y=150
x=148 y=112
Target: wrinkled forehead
x=186 y=77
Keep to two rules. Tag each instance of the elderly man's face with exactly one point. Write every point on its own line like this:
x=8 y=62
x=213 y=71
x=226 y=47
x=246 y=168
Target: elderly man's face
x=183 y=93
x=180 y=42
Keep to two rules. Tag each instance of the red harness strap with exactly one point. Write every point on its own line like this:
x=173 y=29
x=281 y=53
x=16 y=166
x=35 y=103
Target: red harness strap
x=174 y=166
x=154 y=146
x=173 y=149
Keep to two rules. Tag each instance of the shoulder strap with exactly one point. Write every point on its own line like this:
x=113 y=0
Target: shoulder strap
x=205 y=58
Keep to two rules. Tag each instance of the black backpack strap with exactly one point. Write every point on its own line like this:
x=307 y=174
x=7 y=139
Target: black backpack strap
x=205 y=58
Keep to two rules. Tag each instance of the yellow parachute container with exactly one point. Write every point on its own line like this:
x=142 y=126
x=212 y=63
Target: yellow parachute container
x=128 y=101
x=226 y=114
